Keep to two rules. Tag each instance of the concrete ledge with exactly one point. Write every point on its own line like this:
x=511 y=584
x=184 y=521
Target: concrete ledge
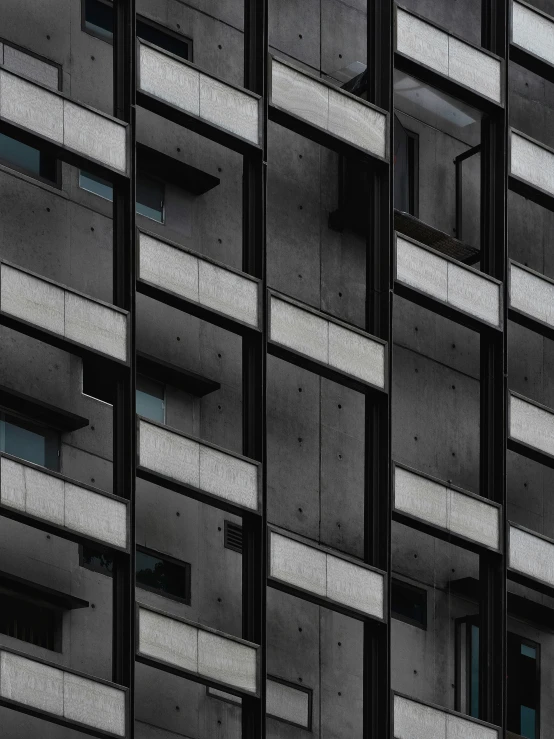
x=531 y=555
x=532 y=294
x=531 y=424
x=416 y=720
x=532 y=162
x=533 y=31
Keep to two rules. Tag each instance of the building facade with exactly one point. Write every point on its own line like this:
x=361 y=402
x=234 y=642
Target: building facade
x=276 y=372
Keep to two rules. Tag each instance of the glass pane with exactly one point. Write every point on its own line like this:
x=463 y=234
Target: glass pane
x=26 y=158
x=409 y=603
x=159 y=574
x=150 y=399
x=474 y=672
x=99 y=19
x=528 y=651
x=95 y=560
x=96 y=185
x=164 y=40
x=150 y=198
x=527 y=722
x=30 y=442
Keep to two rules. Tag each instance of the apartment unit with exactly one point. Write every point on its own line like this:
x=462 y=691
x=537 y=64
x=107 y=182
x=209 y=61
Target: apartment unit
x=276 y=369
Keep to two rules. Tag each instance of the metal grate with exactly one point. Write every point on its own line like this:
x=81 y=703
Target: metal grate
x=233 y=537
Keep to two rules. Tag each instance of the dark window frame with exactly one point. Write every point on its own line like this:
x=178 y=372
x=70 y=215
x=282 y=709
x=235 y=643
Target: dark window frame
x=29 y=423
x=395 y=582
x=155 y=178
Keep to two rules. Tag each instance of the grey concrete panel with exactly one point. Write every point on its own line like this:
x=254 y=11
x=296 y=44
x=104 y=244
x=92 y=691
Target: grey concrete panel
x=228 y=292
x=17 y=61
x=532 y=163
x=95 y=515
x=420 y=497
x=357 y=123
x=228 y=477
x=229 y=108
x=415 y=721
x=531 y=425
x=299 y=330
x=168 y=267
x=460 y=728
x=44 y=495
x=474 y=294
x=95 y=136
x=169 y=454
x=355 y=586
x=475 y=69
x=162 y=637
x=532 y=295
x=287 y=703
x=31 y=107
x=31 y=683
x=533 y=32
x=531 y=555
x=227 y=661
x=12 y=484
x=94 y=704
x=97 y=326
x=169 y=80
x=295 y=29
x=474 y=519
x=422 y=42
x=31 y=299
x=298 y=564
x=421 y=269
x=299 y=94
x=356 y=355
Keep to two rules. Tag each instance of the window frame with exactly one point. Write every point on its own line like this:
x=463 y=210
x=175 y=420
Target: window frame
x=110 y=200
x=164 y=399
x=401 y=617
x=186 y=566
x=33 y=606
x=30 y=422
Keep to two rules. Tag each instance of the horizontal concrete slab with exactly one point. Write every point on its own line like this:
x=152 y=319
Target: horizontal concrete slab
x=345 y=116
x=531 y=424
x=17 y=61
x=531 y=555
x=415 y=720
x=533 y=31
x=531 y=162
x=531 y=294
x=62 y=311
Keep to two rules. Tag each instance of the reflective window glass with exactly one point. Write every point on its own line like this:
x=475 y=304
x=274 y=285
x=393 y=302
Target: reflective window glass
x=27 y=159
x=29 y=441
x=150 y=399
x=150 y=193
x=161 y=575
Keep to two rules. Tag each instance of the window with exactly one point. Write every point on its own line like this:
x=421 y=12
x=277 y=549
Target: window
x=95 y=560
x=27 y=159
x=25 y=619
x=409 y=603
x=150 y=399
x=98 y=21
x=406 y=174
x=29 y=441
x=150 y=193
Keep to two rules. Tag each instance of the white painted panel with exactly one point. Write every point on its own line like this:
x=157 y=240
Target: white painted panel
x=533 y=32
x=168 y=267
x=95 y=136
x=228 y=292
x=21 y=63
x=354 y=586
x=31 y=107
x=531 y=425
x=474 y=519
x=287 y=703
x=458 y=727
x=474 y=68
x=94 y=704
x=299 y=330
x=421 y=269
x=12 y=484
x=474 y=294
x=420 y=497
x=531 y=294
x=169 y=80
x=230 y=478
x=422 y=42
x=298 y=564
x=95 y=325
x=532 y=163
x=95 y=515
x=357 y=123
x=31 y=683
x=44 y=495
x=231 y=109
x=414 y=720
x=164 y=638
x=532 y=555
x=31 y=299
x=357 y=355
x=299 y=94
x=169 y=454
x=228 y=661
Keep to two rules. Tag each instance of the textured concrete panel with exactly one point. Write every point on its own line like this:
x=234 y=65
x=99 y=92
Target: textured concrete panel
x=532 y=163
x=287 y=703
x=31 y=683
x=532 y=295
x=32 y=299
x=357 y=355
x=31 y=107
x=473 y=519
x=298 y=564
x=227 y=661
x=95 y=136
x=228 y=292
x=20 y=63
x=461 y=728
x=531 y=555
x=421 y=269
x=95 y=515
x=422 y=42
x=420 y=497
x=170 y=268
x=229 y=108
x=355 y=586
x=228 y=477
x=169 y=80
x=357 y=123
x=169 y=454
x=532 y=425
x=12 y=484
x=299 y=330
x=44 y=495
x=533 y=32
x=169 y=640
x=415 y=721
x=474 y=294
x=474 y=68
x=94 y=704
x=97 y=326
x=299 y=94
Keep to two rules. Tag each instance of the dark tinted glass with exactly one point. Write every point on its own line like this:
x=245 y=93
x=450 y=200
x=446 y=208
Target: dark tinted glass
x=99 y=18
x=35 y=624
x=95 y=560
x=27 y=159
x=166 y=41
x=150 y=399
x=409 y=603
x=28 y=441
x=161 y=575
x=523 y=687
x=150 y=198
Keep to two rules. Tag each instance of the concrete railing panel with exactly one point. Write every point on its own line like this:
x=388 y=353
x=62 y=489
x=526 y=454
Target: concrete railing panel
x=533 y=31
x=531 y=294
x=531 y=555
x=19 y=62
x=531 y=424
x=531 y=162
x=415 y=720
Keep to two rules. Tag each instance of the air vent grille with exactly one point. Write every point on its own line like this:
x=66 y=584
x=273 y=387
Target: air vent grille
x=233 y=536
